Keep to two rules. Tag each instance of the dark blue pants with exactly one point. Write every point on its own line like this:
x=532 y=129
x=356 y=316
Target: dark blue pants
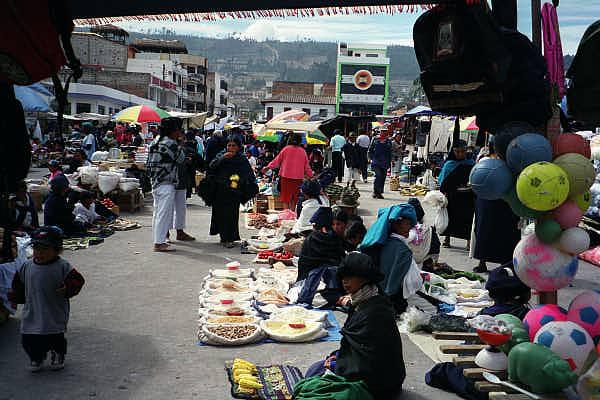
x=379 y=183
x=337 y=163
x=364 y=162
x=311 y=283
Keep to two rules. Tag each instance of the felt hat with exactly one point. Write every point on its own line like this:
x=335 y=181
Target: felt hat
x=323 y=217
x=60 y=181
x=48 y=236
x=348 y=201
x=311 y=187
x=360 y=265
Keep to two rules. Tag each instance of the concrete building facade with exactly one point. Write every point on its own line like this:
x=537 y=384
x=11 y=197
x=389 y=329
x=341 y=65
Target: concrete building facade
x=303 y=88
x=319 y=106
x=86 y=98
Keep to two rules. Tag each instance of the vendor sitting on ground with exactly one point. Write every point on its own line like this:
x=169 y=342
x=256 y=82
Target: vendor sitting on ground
x=25 y=215
x=54 y=168
x=321 y=246
x=371 y=347
x=313 y=199
x=386 y=242
x=57 y=211
x=354 y=235
x=340 y=221
x=85 y=210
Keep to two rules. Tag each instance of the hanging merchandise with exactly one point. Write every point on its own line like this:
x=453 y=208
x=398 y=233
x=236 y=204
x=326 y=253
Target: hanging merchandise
x=491 y=179
x=553 y=49
x=540 y=316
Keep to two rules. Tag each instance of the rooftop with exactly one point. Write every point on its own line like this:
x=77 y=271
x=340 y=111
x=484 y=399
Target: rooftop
x=299 y=98
x=158 y=45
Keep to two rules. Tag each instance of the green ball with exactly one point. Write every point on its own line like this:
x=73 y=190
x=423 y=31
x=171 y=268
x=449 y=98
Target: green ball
x=518 y=208
x=519 y=334
x=548 y=231
x=583 y=200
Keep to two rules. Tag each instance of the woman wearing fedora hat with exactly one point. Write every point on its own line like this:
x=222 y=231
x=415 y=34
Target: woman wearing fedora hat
x=371 y=347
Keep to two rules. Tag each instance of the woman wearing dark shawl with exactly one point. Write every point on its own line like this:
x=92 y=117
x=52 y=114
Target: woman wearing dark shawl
x=453 y=180
x=494 y=219
x=235 y=184
x=371 y=346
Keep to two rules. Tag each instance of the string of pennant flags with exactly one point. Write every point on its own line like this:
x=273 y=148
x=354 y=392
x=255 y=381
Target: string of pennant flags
x=255 y=14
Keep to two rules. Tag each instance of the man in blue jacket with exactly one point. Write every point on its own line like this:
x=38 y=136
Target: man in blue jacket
x=380 y=154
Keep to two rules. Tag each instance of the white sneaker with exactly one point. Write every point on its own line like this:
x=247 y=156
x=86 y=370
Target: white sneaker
x=35 y=366
x=57 y=361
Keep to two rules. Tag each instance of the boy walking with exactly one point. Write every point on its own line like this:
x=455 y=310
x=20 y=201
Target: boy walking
x=44 y=285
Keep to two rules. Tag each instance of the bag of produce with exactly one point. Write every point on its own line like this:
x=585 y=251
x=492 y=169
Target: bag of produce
x=293 y=331
x=107 y=181
x=229 y=334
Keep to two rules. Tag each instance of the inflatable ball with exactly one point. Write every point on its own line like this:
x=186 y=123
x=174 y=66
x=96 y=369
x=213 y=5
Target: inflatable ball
x=584 y=310
x=541 y=266
x=580 y=171
x=519 y=208
x=542 y=315
x=568 y=340
x=542 y=186
x=570 y=143
x=527 y=149
x=568 y=214
x=491 y=179
x=548 y=231
x=574 y=241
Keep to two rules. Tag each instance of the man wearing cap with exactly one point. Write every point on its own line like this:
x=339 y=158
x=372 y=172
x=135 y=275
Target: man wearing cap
x=163 y=159
x=380 y=154
x=336 y=143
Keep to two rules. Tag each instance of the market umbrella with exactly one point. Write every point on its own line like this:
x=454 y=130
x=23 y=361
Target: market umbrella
x=141 y=114
x=290 y=115
x=270 y=136
x=31 y=98
x=316 y=136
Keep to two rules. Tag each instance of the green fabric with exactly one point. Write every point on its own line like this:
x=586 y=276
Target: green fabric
x=463 y=274
x=331 y=387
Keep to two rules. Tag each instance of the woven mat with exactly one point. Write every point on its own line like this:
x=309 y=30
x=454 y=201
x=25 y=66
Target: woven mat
x=278 y=382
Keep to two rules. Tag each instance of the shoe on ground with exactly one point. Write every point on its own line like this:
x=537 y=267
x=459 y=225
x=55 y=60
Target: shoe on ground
x=35 y=366
x=57 y=361
x=229 y=245
x=480 y=269
x=184 y=237
x=163 y=248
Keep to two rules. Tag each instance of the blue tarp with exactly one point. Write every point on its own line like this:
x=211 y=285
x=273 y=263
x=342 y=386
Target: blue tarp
x=31 y=97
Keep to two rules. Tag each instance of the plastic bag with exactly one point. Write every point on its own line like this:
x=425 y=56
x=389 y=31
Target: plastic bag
x=108 y=181
x=208 y=335
x=286 y=215
x=413 y=320
x=438 y=202
x=412 y=280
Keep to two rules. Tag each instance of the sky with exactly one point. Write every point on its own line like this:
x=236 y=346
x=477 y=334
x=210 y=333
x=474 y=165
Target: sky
x=574 y=16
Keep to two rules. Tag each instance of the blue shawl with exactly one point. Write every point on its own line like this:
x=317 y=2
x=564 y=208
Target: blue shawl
x=379 y=232
x=450 y=166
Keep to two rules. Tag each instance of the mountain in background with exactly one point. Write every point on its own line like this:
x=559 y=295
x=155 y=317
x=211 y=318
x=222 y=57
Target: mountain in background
x=304 y=61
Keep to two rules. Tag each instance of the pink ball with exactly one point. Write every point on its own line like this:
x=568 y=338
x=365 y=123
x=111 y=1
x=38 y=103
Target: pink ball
x=540 y=316
x=568 y=214
x=584 y=310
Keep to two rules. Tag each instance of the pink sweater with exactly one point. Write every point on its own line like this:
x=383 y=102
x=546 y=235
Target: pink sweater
x=293 y=163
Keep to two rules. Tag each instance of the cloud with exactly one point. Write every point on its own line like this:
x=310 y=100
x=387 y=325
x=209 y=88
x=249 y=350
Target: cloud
x=574 y=17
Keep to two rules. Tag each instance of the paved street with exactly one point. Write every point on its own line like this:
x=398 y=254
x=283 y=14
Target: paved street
x=132 y=333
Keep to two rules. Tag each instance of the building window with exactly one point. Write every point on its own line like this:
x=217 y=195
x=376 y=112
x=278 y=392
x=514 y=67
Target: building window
x=269 y=113
x=306 y=110
x=191 y=70
x=222 y=99
x=323 y=112
x=357 y=55
x=191 y=88
x=110 y=110
x=83 y=108
x=287 y=108
x=372 y=55
x=101 y=109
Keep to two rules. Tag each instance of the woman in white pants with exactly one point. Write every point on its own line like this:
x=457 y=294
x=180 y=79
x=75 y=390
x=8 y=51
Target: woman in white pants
x=164 y=157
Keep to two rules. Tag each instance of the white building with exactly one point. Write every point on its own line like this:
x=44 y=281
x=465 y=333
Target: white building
x=321 y=106
x=218 y=95
x=85 y=98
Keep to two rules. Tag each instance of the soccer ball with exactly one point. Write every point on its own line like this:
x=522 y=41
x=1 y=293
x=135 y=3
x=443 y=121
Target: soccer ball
x=542 y=315
x=574 y=241
x=580 y=171
x=517 y=207
x=567 y=340
x=571 y=143
x=527 y=149
x=541 y=266
x=584 y=310
x=542 y=186
x=491 y=179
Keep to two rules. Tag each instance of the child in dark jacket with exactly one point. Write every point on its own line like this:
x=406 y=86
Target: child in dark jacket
x=44 y=285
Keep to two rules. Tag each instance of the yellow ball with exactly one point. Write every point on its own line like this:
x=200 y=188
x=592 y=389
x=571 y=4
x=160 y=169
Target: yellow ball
x=583 y=200
x=542 y=186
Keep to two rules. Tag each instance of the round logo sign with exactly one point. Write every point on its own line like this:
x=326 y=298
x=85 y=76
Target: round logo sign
x=363 y=79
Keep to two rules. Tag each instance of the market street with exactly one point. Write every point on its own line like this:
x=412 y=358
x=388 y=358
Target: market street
x=132 y=331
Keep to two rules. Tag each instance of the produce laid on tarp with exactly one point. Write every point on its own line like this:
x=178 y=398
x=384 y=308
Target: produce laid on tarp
x=241 y=306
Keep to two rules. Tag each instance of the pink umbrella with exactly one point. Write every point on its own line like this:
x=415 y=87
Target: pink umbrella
x=290 y=115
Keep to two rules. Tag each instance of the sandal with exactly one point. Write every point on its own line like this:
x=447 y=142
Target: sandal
x=163 y=248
